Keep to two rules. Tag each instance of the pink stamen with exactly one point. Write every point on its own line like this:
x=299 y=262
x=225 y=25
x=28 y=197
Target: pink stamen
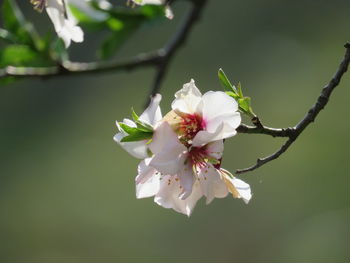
x=191 y=124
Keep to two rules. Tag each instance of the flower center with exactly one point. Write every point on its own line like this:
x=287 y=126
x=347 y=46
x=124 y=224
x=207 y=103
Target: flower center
x=191 y=124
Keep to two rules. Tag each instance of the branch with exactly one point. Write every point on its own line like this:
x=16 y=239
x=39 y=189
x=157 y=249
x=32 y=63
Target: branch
x=293 y=133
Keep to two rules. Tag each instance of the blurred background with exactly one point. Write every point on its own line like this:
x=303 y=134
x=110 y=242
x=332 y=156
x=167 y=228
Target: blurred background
x=67 y=190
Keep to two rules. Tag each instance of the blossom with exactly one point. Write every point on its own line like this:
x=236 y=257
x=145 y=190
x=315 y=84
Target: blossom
x=178 y=176
x=64 y=23
x=203 y=118
x=150 y=116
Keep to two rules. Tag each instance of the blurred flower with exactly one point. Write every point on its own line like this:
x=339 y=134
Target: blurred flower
x=203 y=119
x=150 y=116
x=62 y=19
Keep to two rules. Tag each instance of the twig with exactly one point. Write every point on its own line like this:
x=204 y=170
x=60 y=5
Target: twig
x=175 y=43
x=294 y=132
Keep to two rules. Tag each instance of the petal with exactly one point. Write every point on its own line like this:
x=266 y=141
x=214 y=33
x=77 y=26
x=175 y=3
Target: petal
x=168 y=196
x=237 y=187
x=145 y=172
x=223 y=130
x=215 y=149
x=204 y=137
x=217 y=103
x=153 y=113
x=211 y=183
x=149 y=188
x=187 y=99
x=169 y=154
x=64 y=23
x=187 y=180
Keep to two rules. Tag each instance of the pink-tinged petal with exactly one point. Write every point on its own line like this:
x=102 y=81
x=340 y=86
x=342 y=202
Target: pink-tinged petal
x=153 y=113
x=212 y=184
x=168 y=196
x=169 y=154
x=215 y=149
x=187 y=180
x=137 y=149
x=223 y=130
x=204 y=137
x=149 y=188
x=144 y=171
x=187 y=99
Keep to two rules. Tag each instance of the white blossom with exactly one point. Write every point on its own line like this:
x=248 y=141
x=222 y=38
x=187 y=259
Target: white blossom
x=202 y=119
x=64 y=23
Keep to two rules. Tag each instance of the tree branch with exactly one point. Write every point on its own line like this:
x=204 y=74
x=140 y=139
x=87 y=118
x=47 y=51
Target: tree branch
x=293 y=133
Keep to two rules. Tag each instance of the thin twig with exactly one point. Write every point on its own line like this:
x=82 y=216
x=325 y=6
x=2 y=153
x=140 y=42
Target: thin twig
x=294 y=132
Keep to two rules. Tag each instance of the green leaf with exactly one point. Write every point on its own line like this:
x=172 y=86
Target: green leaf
x=244 y=104
x=128 y=129
x=135 y=117
x=144 y=126
x=139 y=136
x=232 y=94
x=225 y=82
x=239 y=88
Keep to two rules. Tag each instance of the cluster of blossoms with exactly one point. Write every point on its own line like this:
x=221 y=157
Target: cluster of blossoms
x=181 y=152
x=65 y=23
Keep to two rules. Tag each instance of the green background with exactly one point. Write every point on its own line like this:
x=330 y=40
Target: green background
x=67 y=190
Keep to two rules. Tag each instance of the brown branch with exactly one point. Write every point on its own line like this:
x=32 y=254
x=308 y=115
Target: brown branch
x=293 y=133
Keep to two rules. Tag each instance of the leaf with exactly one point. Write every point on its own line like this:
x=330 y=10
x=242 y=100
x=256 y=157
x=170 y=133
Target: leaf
x=139 y=136
x=225 y=82
x=128 y=129
x=239 y=88
x=244 y=104
x=232 y=94
x=144 y=126
x=135 y=117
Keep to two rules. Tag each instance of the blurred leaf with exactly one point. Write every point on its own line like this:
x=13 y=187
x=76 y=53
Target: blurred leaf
x=58 y=50
x=17 y=25
x=22 y=56
x=7 y=36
